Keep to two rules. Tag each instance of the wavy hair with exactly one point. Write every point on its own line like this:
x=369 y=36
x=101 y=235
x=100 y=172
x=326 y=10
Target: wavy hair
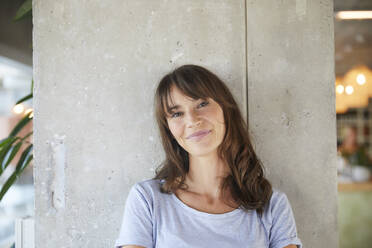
x=246 y=182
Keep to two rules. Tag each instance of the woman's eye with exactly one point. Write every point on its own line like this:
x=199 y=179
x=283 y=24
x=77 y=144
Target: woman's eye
x=176 y=114
x=205 y=103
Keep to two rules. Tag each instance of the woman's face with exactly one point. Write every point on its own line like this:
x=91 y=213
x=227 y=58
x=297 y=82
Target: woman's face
x=191 y=117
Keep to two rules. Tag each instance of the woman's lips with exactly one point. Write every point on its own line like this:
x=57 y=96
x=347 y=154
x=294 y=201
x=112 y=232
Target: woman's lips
x=199 y=135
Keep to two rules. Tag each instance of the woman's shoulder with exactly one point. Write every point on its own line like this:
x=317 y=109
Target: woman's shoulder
x=149 y=183
x=277 y=197
x=148 y=187
x=278 y=204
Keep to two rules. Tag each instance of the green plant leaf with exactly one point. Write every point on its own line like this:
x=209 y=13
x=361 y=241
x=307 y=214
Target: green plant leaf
x=14 y=151
x=29 y=159
x=7 y=184
x=4 y=151
x=29 y=96
x=21 y=124
x=21 y=162
x=25 y=9
x=5 y=141
x=6 y=147
x=25 y=159
x=26 y=136
x=32 y=85
x=16 y=173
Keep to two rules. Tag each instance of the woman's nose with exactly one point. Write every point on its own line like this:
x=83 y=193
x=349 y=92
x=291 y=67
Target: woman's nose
x=192 y=119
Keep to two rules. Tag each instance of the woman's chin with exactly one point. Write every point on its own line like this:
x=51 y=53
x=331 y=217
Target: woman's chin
x=202 y=152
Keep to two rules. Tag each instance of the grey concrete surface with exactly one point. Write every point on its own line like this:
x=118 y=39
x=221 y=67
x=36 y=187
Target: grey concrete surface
x=96 y=66
x=291 y=106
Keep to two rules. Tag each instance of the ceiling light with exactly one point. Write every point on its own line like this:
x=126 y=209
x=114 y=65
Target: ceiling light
x=340 y=89
x=349 y=89
x=361 y=79
x=355 y=14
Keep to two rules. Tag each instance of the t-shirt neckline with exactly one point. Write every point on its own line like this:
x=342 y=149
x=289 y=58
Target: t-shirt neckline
x=204 y=214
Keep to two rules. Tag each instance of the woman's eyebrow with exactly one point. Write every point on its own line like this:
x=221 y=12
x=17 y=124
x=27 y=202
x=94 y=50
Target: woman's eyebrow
x=175 y=107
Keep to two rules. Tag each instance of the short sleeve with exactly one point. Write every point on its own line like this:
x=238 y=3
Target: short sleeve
x=136 y=227
x=283 y=230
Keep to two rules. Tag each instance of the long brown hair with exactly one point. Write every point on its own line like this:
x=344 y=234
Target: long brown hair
x=246 y=182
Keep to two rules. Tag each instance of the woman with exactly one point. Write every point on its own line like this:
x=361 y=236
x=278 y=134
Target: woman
x=210 y=191
x=354 y=153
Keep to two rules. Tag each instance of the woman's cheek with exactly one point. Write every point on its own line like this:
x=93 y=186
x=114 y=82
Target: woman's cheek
x=210 y=113
x=176 y=128
x=218 y=114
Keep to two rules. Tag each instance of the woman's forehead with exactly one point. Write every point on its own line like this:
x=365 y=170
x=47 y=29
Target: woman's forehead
x=175 y=95
x=175 y=98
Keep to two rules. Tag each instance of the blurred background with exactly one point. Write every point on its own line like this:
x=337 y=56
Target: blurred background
x=353 y=87
x=15 y=83
x=353 y=64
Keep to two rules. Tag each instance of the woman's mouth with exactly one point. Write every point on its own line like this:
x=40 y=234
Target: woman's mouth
x=198 y=135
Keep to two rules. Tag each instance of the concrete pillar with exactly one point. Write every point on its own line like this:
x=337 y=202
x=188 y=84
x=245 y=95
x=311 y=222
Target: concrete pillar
x=291 y=106
x=96 y=66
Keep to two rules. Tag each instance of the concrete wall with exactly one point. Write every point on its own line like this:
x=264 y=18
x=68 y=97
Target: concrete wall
x=96 y=66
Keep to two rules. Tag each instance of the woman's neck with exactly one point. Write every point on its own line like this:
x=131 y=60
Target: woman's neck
x=206 y=174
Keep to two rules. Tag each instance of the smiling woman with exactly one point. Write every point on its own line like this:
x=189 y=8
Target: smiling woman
x=210 y=191
x=198 y=125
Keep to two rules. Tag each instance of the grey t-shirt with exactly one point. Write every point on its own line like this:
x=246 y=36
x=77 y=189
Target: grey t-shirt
x=155 y=219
